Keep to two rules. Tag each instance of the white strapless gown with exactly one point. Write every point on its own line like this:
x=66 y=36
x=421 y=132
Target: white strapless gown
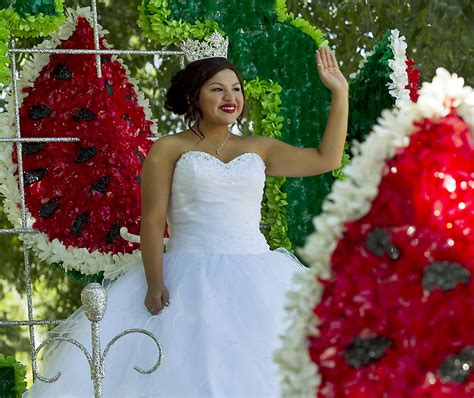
x=227 y=295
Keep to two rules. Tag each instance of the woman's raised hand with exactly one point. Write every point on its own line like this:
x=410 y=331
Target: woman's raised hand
x=329 y=71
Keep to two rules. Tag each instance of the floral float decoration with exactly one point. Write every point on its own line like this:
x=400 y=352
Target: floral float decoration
x=386 y=77
x=78 y=194
x=386 y=308
x=26 y=18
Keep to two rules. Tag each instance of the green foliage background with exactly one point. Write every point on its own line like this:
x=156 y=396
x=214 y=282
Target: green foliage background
x=438 y=33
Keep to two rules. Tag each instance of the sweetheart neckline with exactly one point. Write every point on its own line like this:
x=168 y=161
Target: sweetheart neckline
x=219 y=160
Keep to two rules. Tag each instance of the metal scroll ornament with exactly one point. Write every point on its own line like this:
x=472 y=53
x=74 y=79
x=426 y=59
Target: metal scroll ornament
x=94 y=303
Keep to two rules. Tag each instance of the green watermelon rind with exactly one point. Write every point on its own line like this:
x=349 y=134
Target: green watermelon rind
x=385 y=65
x=77 y=259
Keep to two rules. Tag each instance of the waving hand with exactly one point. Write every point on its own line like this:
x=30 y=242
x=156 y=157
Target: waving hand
x=329 y=71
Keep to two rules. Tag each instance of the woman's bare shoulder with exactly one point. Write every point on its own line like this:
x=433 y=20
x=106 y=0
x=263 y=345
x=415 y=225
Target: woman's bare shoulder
x=256 y=140
x=170 y=146
x=256 y=143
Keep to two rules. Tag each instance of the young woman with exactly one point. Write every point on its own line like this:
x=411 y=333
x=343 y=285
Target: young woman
x=215 y=299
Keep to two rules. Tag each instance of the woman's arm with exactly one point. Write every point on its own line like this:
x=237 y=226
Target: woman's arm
x=286 y=160
x=156 y=177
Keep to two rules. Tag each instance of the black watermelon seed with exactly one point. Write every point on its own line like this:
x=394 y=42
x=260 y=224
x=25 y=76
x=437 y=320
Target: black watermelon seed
x=104 y=58
x=48 y=209
x=114 y=231
x=85 y=153
x=457 y=368
x=37 y=112
x=100 y=185
x=138 y=179
x=127 y=118
x=363 y=351
x=76 y=115
x=79 y=223
x=32 y=147
x=109 y=88
x=378 y=242
x=83 y=114
x=128 y=97
x=62 y=72
x=444 y=275
x=139 y=155
x=34 y=175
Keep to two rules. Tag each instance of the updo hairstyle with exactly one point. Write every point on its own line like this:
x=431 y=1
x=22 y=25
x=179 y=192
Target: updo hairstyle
x=182 y=98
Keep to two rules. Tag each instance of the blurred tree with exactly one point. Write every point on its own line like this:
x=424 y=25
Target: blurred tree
x=438 y=33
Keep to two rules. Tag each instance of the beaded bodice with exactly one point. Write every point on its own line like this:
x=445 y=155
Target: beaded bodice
x=215 y=206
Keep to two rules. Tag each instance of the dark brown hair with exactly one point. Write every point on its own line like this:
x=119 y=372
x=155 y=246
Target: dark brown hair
x=182 y=97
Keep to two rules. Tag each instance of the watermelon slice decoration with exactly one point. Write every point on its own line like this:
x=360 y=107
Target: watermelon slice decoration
x=387 y=307
x=385 y=78
x=80 y=194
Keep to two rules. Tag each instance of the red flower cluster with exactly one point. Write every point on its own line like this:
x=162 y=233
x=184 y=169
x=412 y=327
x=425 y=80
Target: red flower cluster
x=413 y=79
x=425 y=210
x=82 y=193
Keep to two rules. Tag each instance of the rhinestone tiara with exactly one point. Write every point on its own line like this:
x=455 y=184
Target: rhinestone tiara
x=214 y=46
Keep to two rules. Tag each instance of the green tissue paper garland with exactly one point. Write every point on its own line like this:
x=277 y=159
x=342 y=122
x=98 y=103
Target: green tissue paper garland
x=269 y=44
x=154 y=22
x=26 y=18
x=267 y=122
x=12 y=377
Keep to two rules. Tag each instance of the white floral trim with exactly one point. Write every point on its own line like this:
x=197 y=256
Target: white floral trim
x=73 y=258
x=399 y=76
x=350 y=200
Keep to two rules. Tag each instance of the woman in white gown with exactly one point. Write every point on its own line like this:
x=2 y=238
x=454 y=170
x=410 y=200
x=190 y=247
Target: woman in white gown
x=215 y=298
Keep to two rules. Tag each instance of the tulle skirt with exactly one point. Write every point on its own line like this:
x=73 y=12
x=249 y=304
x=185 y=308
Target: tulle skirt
x=218 y=334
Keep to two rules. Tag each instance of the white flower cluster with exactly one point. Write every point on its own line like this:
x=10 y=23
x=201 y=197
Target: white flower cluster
x=79 y=259
x=350 y=200
x=398 y=64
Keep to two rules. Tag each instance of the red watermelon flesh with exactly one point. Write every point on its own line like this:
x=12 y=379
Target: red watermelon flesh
x=413 y=79
x=83 y=192
x=396 y=316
